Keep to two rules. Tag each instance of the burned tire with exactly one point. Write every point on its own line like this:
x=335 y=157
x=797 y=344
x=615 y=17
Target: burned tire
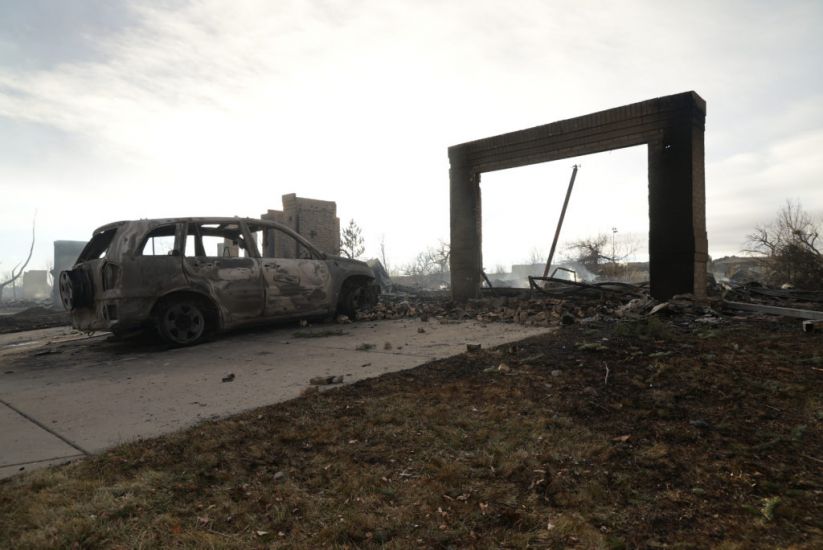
x=75 y=289
x=357 y=295
x=184 y=320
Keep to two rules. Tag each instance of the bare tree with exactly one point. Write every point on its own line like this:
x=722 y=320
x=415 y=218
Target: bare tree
x=18 y=269
x=604 y=254
x=351 y=241
x=590 y=251
x=536 y=256
x=790 y=246
x=432 y=260
x=383 y=253
x=442 y=254
x=421 y=265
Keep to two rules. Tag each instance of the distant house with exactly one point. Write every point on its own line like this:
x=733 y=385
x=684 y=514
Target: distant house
x=739 y=269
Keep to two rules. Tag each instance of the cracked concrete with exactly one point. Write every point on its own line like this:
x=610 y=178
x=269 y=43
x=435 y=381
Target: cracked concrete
x=64 y=394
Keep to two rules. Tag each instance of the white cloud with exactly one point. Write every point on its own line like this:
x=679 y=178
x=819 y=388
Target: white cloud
x=209 y=107
x=749 y=187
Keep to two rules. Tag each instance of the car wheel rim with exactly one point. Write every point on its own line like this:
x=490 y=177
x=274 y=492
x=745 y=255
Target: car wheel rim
x=184 y=323
x=65 y=291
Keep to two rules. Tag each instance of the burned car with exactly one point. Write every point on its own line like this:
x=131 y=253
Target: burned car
x=191 y=277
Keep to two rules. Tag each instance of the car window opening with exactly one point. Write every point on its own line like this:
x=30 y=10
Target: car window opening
x=98 y=245
x=159 y=242
x=217 y=241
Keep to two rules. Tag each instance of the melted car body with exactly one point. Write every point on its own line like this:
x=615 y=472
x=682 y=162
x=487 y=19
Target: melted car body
x=190 y=277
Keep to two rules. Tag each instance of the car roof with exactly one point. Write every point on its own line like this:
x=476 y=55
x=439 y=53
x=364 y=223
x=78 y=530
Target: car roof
x=153 y=222
x=192 y=219
x=196 y=219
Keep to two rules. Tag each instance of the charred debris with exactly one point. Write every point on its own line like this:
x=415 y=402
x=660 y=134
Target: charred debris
x=551 y=301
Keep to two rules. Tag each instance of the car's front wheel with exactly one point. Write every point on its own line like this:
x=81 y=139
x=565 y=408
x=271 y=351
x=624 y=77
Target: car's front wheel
x=357 y=295
x=183 y=321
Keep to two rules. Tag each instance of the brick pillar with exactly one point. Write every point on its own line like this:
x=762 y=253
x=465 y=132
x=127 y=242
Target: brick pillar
x=701 y=240
x=466 y=259
x=677 y=208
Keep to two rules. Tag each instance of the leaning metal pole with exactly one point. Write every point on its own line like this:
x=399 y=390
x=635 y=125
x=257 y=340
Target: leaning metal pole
x=560 y=222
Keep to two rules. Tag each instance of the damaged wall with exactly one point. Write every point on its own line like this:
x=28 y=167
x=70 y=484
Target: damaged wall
x=36 y=284
x=672 y=127
x=316 y=220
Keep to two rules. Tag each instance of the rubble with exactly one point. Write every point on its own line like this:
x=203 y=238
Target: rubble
x=565 y=303
x=776 y=310
x=753 y=298
x=521 y=307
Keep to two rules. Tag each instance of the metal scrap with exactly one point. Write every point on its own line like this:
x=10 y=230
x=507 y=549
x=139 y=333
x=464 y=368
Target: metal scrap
x=775 y=310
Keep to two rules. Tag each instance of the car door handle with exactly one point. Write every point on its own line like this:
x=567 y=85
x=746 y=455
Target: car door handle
x=270 y=265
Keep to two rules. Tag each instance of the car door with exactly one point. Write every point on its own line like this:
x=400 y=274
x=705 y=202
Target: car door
x=297 y=278
x=154 y=265
x=219 y=261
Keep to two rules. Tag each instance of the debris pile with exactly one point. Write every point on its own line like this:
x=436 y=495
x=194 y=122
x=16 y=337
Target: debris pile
x=753 y=298
x=757 y=293
x=551 y=302
x=540 y=308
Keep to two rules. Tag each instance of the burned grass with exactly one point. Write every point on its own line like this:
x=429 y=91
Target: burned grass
x=651 y=434
x=33 y=318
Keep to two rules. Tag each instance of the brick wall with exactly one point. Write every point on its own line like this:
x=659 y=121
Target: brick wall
x=672 y=127
x=315 y=220
x=272 y=246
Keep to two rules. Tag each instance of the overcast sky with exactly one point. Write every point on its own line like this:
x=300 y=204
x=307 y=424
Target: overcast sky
x=114 y=109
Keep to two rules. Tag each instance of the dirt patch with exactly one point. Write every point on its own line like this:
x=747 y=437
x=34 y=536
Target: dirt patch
x=319 y=333
x=644 y=433
x=32 y=318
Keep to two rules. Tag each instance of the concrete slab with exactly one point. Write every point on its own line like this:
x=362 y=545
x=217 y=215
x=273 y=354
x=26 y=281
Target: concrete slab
x=97 y=394
x=9 y=342
x=24 y=442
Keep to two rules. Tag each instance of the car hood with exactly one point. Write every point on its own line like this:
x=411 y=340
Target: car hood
x=348 y=263
x=344 y=260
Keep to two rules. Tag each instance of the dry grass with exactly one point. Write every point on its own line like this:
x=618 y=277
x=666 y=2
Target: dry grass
x=453 y=455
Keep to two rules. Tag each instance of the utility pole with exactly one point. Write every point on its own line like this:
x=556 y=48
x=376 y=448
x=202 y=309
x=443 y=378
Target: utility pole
x=560 y=222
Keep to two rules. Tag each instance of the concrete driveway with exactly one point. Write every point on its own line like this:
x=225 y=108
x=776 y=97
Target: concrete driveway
x=64 y=395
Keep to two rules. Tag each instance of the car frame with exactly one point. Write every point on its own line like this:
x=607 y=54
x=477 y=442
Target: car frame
x=187 y=295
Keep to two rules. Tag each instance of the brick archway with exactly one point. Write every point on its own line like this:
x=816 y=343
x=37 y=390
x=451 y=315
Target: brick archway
x=672 y=127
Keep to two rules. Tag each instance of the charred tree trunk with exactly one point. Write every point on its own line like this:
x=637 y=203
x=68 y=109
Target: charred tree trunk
x=17 y=270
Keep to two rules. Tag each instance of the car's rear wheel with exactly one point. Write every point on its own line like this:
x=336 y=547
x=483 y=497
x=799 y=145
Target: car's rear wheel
x=66 y=291
x=75 y=289
x=183 y=321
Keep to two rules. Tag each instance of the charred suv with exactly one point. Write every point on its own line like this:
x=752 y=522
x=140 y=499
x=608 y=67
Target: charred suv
x=190 y=277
